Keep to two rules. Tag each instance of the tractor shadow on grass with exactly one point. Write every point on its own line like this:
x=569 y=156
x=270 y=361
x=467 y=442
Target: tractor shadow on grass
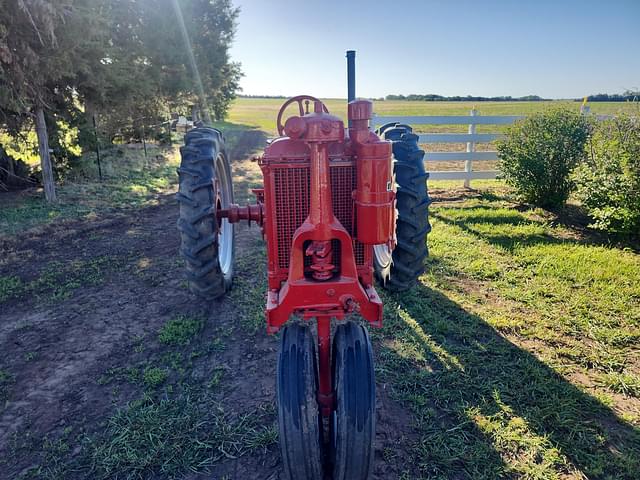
x=489 y=409
x=509 y=236
x=573 y=218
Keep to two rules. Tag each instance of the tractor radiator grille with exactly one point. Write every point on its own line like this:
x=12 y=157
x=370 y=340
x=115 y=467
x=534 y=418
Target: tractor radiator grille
x=292 y=206
x=291 y=185
x=343 y=182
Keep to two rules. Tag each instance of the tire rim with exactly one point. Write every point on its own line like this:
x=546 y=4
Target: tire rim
x=225 y=232
x=382 y=254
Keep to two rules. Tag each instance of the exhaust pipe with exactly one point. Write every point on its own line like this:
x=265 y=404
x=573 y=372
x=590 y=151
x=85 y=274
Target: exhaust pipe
x=351 y=75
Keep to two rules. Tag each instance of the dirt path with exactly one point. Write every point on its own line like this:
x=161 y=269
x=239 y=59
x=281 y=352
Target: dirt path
x=79 y=333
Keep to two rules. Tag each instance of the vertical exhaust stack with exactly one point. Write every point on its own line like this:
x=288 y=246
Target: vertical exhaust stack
x=351 y=75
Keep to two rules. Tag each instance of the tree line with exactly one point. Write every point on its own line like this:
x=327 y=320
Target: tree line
x=112 y=62
x=431 y=97
x=627 y=96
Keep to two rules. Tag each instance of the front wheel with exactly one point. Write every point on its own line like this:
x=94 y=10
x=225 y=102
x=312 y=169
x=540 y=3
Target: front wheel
x=207 y=243
x=299 y=420
x=353 y=425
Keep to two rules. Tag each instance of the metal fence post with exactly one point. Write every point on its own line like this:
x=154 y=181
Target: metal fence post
x=95 y=134
x=471 y=147
x=144 y=143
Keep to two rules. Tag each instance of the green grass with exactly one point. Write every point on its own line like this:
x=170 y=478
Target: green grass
x=170 y=437
x=517 y=352
x=582 y=291
x=625 y=383
x=129 y=374
x=185 y=429
x=250 y=283
x=216 y=378
x=58 y=280
x=262 y=112
x=180 y=330
x=10 y=287
x=154 y=376
x=182 y=428
x=130 y=181
x=165 y=437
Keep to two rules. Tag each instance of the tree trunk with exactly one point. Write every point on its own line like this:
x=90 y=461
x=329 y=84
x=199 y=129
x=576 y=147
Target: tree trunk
x=45 y=159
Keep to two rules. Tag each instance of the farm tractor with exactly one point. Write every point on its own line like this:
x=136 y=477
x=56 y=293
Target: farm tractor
x=339 y=207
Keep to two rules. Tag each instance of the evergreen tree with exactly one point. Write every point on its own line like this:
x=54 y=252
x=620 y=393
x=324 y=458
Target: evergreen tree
x=119 y=59
x=36 y=66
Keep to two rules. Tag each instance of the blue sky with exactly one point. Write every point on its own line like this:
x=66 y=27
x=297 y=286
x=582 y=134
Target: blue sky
x=556 y=49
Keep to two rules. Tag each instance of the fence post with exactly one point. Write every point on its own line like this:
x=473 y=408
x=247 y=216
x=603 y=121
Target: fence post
x=95 y=136
x=144 y=143
x=471 y=147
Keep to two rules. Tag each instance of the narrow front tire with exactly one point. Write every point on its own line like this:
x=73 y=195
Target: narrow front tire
x=299 y=417
x=353 y=423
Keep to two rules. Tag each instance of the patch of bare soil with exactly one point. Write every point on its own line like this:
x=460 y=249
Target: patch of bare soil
x=61 y=341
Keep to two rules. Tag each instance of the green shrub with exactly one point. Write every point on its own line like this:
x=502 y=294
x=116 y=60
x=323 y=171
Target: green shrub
x=539 y=153
x=608 y=182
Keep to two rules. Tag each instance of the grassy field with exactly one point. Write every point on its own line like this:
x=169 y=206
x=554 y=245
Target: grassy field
x=518 y=351
x=262 y=112
x=517 y=354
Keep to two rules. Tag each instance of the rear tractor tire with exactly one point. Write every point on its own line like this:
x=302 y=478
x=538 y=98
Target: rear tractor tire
x=399 y=270
x=207 y=245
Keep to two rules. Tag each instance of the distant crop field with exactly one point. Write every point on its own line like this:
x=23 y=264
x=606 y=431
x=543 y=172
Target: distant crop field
x=262 y=112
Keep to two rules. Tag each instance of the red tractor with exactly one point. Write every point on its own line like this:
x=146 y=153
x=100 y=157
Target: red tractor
x=339 y=206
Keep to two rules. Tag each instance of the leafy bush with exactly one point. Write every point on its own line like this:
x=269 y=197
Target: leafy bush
x=608 y=182
x=540 y=152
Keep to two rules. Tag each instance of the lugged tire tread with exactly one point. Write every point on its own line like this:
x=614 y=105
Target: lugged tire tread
x=197 y=222
x=412 y=204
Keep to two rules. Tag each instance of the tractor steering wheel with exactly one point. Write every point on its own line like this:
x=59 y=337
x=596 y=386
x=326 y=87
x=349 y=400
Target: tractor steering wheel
x=299 y=99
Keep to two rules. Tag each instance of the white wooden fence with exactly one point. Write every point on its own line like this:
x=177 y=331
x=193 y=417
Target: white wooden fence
x=471 y=139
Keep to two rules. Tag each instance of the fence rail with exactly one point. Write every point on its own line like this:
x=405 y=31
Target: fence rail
x=471 y=139
x=450 y=119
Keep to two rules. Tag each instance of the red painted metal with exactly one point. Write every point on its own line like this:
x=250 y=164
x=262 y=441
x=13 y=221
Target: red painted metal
x=375 y=193
x=307 y=99
x=251 y=213
x=327 y=199
x=299 y=211
x=325 y=389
